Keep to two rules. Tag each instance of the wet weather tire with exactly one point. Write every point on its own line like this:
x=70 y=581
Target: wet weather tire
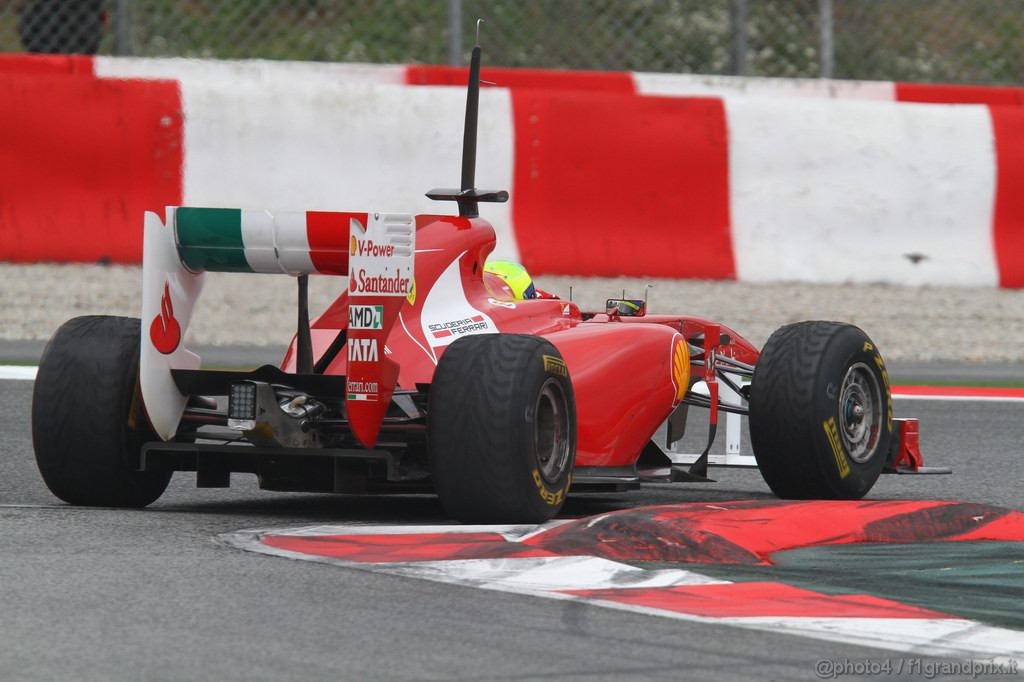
x=501 y=425
x=820 y=412
x=88 y=425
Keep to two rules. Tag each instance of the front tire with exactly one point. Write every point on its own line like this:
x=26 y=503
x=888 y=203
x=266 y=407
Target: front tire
x=88 y=425
x=501 y=427
x=820 y=412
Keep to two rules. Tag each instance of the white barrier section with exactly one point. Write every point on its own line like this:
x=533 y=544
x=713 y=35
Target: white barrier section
x=846 y=191
x=266 y=72
x=288 y=136
x=691 y=85
x=829 y=181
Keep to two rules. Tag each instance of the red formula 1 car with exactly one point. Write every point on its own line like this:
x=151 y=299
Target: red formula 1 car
x=428 y=374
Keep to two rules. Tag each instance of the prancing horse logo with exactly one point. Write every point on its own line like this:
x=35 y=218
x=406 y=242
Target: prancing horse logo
x=165 y=332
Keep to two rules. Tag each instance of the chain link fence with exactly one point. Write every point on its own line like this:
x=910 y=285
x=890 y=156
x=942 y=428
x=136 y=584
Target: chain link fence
x=978 y=41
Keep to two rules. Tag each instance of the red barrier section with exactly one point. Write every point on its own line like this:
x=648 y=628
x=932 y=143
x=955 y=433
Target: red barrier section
x=611 y=184
x=535 y=79
x=935 y=93
x=1008 y=216
x=46 y=64
x=82 y=159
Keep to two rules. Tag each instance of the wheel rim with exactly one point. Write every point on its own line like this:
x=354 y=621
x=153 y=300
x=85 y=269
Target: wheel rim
x=860 y=412
x=551 y=431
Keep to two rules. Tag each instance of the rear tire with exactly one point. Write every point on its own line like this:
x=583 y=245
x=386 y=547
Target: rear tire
x=88 y=425
x=501 y=426
x=820 y=412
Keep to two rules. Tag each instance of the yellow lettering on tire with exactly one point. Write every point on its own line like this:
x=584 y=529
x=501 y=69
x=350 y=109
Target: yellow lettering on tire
x=837 y=450
x=555 y=366
x=888 y=390
x=551 y=498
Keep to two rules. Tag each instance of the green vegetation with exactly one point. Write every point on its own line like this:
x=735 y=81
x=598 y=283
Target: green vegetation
x=910 y=40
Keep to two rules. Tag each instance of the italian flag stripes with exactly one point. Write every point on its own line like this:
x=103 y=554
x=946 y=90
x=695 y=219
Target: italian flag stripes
x=288 y=242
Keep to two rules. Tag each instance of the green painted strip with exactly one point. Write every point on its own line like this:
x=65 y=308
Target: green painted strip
x=210 y=239
x=980 y=580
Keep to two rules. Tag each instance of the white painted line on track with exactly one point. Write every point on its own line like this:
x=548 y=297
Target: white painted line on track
x=28 y=373
x=960 y=398
x=18 y=372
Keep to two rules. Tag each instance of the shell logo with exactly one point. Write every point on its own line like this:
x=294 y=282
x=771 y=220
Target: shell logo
x=352 y=245
x=165 y=332
x=680 y=368
x=411 y=297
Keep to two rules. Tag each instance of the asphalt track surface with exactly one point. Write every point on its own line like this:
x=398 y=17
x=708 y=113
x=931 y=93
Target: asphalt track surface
x=101 y=594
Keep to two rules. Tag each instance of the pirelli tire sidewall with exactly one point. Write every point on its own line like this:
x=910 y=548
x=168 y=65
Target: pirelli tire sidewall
x=852 y=348
x=88 y=421
x=482 y=429
x=547 y=368
x=796 y=404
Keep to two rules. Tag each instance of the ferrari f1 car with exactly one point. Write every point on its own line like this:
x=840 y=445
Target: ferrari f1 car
x=427 y=374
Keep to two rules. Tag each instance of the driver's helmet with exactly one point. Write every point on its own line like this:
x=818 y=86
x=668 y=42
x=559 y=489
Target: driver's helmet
x=627 y=308
x=515 y=277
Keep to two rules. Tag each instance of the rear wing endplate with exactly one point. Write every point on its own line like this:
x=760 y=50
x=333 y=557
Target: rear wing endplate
x=375 y=251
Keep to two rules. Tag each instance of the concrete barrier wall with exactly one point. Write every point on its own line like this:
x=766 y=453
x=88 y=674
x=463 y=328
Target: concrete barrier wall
x=610 y=173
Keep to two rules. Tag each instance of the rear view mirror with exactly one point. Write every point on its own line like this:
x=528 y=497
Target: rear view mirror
x=626 y=307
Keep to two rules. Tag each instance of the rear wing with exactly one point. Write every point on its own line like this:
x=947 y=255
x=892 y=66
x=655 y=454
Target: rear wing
x=375 y=251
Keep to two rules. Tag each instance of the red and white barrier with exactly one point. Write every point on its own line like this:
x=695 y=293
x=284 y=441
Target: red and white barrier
x=610 y=173
x=82 y=159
